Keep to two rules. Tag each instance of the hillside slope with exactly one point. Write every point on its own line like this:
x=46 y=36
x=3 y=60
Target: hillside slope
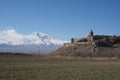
x=87 y=51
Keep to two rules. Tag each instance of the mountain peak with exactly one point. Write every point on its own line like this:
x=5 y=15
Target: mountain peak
x=11 y=37
x=41 y=35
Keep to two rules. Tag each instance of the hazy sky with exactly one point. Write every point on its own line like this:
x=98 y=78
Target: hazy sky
x=62 y=19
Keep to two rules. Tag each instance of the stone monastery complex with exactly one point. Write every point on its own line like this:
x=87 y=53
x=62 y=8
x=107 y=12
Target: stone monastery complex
x=91 y=46
x=94 y=40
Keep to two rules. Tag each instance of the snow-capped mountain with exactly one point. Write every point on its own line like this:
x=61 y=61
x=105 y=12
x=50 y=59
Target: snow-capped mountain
x=11 y=41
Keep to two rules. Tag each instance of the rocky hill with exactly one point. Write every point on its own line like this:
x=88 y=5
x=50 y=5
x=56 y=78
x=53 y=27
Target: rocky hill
x=86 y=51
x=99 y=46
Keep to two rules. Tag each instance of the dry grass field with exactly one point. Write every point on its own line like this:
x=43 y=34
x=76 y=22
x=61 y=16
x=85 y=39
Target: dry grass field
x=37 y=68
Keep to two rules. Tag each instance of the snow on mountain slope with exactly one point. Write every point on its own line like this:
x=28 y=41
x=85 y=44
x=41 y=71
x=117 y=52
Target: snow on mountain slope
x=11 y=41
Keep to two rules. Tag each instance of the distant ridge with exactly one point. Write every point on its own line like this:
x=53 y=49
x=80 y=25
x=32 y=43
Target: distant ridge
x=35 y=43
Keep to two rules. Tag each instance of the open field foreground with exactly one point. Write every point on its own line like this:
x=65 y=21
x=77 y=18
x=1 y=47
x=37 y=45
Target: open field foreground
x=37 y=68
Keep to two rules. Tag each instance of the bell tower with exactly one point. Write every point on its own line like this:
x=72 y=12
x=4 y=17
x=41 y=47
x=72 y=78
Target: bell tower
x=91 y=33
x=91 y=36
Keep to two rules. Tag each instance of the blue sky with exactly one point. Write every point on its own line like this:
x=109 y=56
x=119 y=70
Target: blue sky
x=62 y=19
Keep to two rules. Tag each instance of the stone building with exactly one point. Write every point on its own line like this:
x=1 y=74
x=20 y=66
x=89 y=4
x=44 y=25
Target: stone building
x=81 y=41
x=94 y=40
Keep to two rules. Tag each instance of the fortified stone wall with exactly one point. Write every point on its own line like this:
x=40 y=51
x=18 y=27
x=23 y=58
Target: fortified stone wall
x=67 y=44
